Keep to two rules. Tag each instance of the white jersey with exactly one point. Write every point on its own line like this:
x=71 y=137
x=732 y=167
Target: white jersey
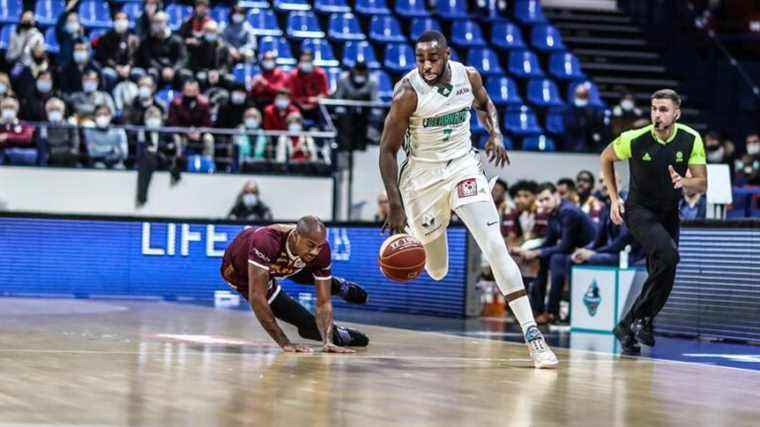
x=439 y=129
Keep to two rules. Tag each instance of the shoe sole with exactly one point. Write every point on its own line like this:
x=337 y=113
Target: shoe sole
x=546 y=365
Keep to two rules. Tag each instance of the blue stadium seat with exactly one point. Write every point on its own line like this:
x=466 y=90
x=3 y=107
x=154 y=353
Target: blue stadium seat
x=323 y=52
x=10 y=11
x=385 y=29
x=5 y=35
x=420 y=25
x=331 y=6
x=164 y=97
x=595 y=100
x=243 y=73
x=178 y=13
x=454 y=55
x=22 y=156
x=303 y=25
x=286 y=5
x=344 y=26
x=201 y=164
x=452 y=9
x=95 y=33
x=411 y=8
x=484 y=60
x=544 y=92
x=524 y=64
x=220 y=13
x=503 y=91
x=264 y=22
x=46 y=11
x=372 y=7
x=356 y=50
x=555 y=121
x=565 y=66
x=508 y=144
x=51 y=41
x=476 y=128
x=546 y=38
x=95 y=14
x=254 y=4
x=333 y=75
x=384 y=85
x=280 y=47
x=399 y=58
x=134 y=12
x=467 y=33
x=506 y=35
x=529 y=12
x=538 y=143
x=521 y=121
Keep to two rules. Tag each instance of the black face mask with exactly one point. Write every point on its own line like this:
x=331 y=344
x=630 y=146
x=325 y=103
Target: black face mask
x=187 y=100
x=712 y=147
x=26 y=25
x=39 y=60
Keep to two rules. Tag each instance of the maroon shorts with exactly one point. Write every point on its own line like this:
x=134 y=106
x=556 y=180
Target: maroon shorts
x=239 y=282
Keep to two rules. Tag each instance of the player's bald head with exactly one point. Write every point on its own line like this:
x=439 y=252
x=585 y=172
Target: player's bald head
x=311 y=227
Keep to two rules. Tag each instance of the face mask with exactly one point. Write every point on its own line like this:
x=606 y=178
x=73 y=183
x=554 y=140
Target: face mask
x=306 y=67
x=120 y=25
x=250 y=199
x=267 y=64
x=238 y=98
x=144 y=92
x=188 y=99
x=753 y=149
x=580 y=102
x=26 y=25
x=55 y=116
x=237 y=18
x=360 y=80
x=44 y=86
x=90 y=86
x=9 y=115
x=3 y=88
x=39 y=59
x=102 y=121
x=72 y=27
x=626 y=105
x=252 y=123
x=295 y=127
x=153 y=122
x=715 y=155
x=210 y=37
x=281 y=103
x=80 y=56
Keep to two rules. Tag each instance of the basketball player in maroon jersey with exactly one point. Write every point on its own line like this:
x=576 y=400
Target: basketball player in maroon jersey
x=300 y=252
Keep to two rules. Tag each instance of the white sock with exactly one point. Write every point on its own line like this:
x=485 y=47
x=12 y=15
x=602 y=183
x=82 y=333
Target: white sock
x=523 y=312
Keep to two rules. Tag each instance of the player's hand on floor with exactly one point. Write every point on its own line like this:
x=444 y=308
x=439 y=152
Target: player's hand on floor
x=297 y=348
x=396 y=221
x=496 y=152
x=332 y=348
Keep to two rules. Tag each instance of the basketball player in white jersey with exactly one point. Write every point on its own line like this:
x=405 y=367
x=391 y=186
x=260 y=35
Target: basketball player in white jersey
x=430 y=115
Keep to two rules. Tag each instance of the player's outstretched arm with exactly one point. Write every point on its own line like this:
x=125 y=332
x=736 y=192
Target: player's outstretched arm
x=396 y=123
x=258 y=278
x=489 y=117
x=324 y=316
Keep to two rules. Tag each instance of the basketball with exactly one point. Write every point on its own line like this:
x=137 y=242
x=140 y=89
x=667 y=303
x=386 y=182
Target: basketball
x=402 y=258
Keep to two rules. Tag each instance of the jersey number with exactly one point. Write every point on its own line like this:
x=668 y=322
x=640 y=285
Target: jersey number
x=447 y=134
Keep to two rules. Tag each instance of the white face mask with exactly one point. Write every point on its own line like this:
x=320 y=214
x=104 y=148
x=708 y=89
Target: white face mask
x=252 y=123
x=3 y=88
x=102 y=121
x=626 y=104
x=237 y=18
x=120 y=25
x=72 y=27
x=238 y=98
x=306 y=67
x=295 y=127
x=360 y=80
x=210 y=37
x=267 y=64
x=90 y=86
x=44 y=86
x=715 y=156
x=753 y=148
x=153 y=122
x=9 y=114
x=144 y=92
x=81 y=56
x=281 y=103
x=250 y=199
x=55 y=116
x=580 y=102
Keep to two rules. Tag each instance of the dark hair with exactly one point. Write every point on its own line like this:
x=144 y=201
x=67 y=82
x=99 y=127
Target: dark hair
x=587 y=173
x=523 y=185
x=567 y=182
x=307 y=52
x=547 y=186
x=712 y=135
x=503 y=183
x=668 y=94
x=433 y=36
x=360 y=66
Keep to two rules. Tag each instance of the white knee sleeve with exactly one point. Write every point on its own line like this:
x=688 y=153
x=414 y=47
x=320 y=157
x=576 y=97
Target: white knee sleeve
x=437 y=258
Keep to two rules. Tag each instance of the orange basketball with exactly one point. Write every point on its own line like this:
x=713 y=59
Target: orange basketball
x=402 y=258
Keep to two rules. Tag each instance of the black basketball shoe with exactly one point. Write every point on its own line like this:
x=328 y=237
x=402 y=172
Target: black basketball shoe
x=349 y=291
x=345 y=337
x=628 y=344
x=643 y=332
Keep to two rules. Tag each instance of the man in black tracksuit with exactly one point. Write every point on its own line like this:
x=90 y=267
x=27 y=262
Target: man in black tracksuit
x=663 y=157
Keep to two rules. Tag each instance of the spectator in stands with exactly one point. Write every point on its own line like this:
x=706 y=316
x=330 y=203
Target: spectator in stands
x=296 y=147
x=106 y=145
x=5 y=86
x=693 y=205
x=144 y=22
x=15 y=135
x=216 y=88
x=210 y=53
x=383 y=208
x=68 y=31
x=590 y=205
x=230 y=114
x=135 y=113
x=34 y=104
x=71 y=76
x=115 y=50
x=353 y=123
x=752 y=144
x=191 y=30
x=84 y=103
x=266 y=85
x=524 y=226
x=625 y=114
x=157 y=150
x=610 y=240
x=248 y=205
x=569 y=229
x=566 y=190
x=239 y=36
x=252 y=148
x=25 y=76
x=162 y=54
x=307 y=84
x=58 y=141
x=582 y=122
x=192 y=110
x=124 y=95
x=275 y=115
x=24 y=40
x=499 y=192
x=717 y=150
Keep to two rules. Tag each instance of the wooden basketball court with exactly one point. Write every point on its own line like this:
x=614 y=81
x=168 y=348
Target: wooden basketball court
x=81 y=362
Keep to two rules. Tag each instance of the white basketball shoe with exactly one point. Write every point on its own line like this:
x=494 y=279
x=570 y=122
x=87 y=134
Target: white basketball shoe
x=542 y=355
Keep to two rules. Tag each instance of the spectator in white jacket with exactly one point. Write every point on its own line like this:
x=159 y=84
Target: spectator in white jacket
x=106 y=146
x=24 y=40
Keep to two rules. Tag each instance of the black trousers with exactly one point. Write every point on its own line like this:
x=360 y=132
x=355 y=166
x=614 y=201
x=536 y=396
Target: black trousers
x=657 y=232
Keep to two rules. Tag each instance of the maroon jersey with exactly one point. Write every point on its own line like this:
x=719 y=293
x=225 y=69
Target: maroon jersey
x=511 y=224
x=266 y=248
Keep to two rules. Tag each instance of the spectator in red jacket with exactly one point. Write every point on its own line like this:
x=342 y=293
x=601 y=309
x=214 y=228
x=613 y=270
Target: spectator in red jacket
x=307 y=84
x=192 y=110
x=16 y=137
x=265 y=85
x=276 y=114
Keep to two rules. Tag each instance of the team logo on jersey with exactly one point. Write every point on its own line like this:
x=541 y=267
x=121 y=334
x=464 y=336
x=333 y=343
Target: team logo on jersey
x=428 y=221
x=446 y=119
x=591 y=298
x=467 y=188
x=679 y=157
x=445 y=90
x=646 y=157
